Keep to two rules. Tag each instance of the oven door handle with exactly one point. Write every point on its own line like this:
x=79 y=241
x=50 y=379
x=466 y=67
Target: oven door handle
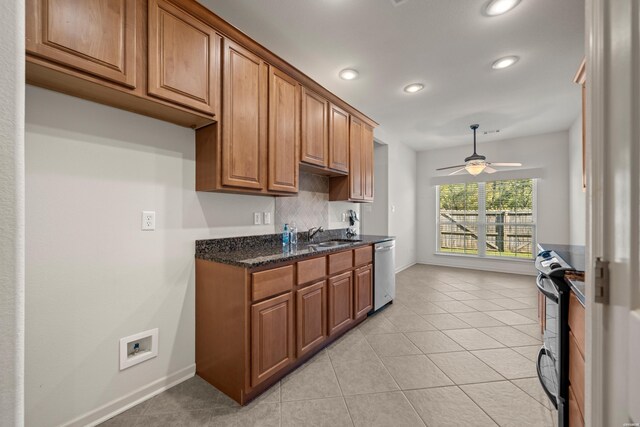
x=553 y=297
x=551 y=396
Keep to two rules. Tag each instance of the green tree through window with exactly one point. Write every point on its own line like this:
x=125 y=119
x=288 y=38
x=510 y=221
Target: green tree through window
x=493 y=218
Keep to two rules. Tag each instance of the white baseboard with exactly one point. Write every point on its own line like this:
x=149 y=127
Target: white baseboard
x=520 y=269
x=399 y=269
x=121 y=404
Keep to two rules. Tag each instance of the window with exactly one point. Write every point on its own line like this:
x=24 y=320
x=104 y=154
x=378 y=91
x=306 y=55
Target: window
x=487 y=219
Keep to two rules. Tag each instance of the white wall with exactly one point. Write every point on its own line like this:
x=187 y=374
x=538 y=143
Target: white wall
x=577 y=197
x=402 y=203
x=92 y=275
x=550 y=152
x=375 y=216
x=12 y=213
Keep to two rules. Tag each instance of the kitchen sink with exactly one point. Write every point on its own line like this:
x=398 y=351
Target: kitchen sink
x=333 y=243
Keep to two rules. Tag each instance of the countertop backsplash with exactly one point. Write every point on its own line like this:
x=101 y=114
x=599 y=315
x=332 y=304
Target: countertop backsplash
x=311 y=207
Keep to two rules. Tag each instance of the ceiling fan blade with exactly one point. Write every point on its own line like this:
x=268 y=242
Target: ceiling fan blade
x=451 y=167
x=506 y=164
x=455 y=172
x=489 y=169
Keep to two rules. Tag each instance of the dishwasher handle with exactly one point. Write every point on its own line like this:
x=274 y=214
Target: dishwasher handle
x=385 y=248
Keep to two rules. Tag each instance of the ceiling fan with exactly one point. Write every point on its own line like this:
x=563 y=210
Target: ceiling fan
x=475 y=164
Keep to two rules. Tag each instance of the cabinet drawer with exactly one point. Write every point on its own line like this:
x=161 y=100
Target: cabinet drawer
x=271 y=282
x=576 y=371
x=576 y=321
x=575 y=416
x=312 y=269
x=363 y=256
x=340 y=262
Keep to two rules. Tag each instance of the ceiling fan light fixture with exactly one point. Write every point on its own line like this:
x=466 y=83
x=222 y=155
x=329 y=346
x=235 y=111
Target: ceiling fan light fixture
x=475 y=168
x=348 y=74
x=498 y=7
x=504 y=62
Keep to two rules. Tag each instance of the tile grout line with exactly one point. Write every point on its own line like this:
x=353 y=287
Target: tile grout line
x=333 y=369
x=394 y=380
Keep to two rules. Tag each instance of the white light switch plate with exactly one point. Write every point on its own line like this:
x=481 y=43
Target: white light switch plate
x=257 y=218
x=267 y=218
x=148 y=220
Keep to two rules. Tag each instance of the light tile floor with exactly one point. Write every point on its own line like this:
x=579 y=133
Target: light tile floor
x=456 y=348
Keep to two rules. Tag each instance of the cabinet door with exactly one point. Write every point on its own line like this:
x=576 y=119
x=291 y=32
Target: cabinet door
x=340 y=302
x=311 y=317
x=244 y=128
x=363 y=291
x=271 y=337
x=94 y=36
x=367 y=162
x=284 y=131
x=314 y=144
x=355 y=161
x=183 y=58
x=338 y=139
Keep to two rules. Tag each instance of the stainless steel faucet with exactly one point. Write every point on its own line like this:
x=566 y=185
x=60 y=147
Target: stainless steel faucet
x=311 y=233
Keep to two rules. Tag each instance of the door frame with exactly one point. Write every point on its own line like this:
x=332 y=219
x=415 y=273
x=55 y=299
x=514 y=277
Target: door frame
x=613 y=214
x=594 y=147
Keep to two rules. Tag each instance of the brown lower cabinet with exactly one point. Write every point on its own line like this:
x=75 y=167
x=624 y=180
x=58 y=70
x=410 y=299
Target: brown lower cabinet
x=311 y=319
x=271 y=336
x=363 y=291
x=253 y=326
x=576 y=361
x=340 y=302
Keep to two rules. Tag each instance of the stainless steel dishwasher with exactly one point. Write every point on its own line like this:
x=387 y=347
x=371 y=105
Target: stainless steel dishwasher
x=384 y=273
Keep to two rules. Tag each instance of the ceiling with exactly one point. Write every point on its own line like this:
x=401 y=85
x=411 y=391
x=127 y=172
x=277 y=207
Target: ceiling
x=448 y=45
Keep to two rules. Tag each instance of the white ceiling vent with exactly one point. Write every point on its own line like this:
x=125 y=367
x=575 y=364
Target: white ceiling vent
x=398 y=2
x=487 y=132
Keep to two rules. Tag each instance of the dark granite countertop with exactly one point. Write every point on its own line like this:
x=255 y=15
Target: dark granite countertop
x=258 y=251
x=574 y=256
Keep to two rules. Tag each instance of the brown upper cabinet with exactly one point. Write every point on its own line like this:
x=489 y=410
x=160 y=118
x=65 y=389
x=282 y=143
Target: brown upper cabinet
x=284 y=131
x=244 y=130
x=254 y=149
x=97 y=37
x=314 y=146
x=338 y=139
x=183 y=58
x=367 y=162
x=358 y=186
x=258 y=119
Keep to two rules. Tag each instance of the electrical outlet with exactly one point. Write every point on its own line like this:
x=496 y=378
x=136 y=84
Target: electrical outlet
x=344 y=217
x=267 y=218
x=148 y=220
x=257 y=218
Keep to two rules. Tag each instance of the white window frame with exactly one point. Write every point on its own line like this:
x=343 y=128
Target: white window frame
x=482 y=226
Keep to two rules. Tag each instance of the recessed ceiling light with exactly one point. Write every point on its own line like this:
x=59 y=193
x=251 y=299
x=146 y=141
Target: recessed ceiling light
x=348 y=74
x=414 y=87
x=498 y=7
x=505 y=62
